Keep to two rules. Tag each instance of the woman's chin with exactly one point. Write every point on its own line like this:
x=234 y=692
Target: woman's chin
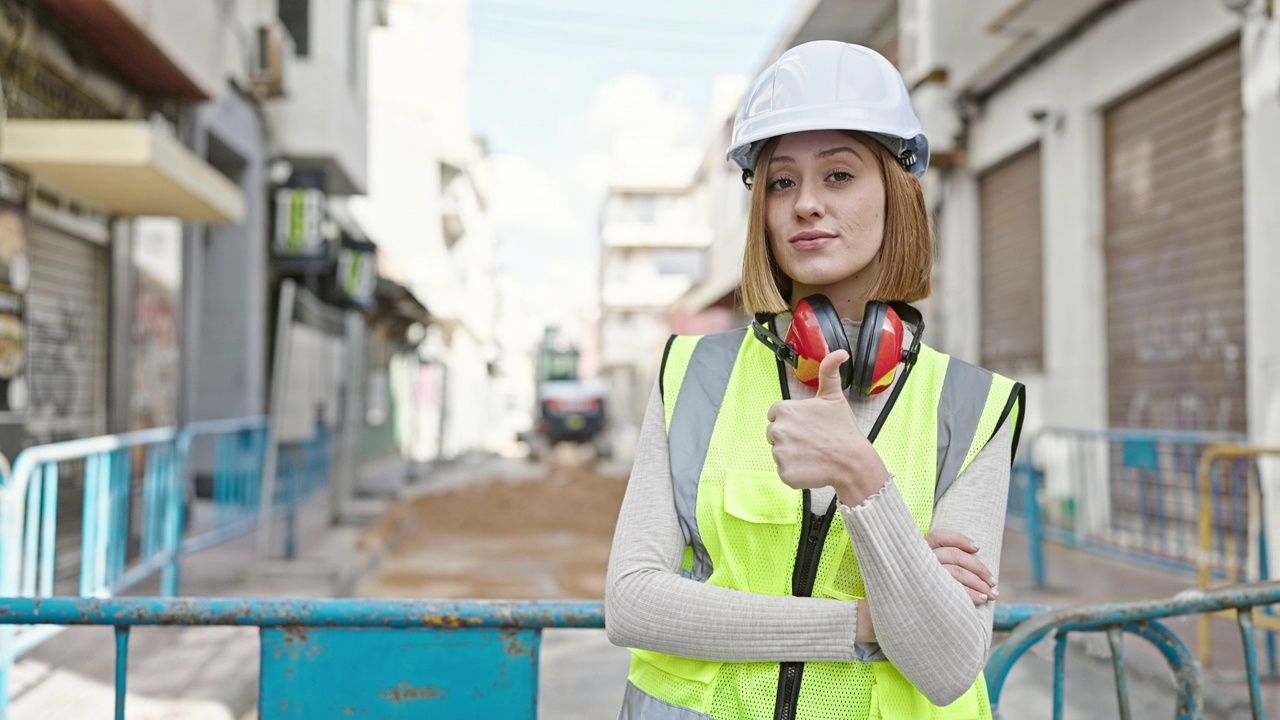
x=818 y=278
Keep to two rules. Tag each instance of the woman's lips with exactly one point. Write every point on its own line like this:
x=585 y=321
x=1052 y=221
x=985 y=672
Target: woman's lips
x=811 y=239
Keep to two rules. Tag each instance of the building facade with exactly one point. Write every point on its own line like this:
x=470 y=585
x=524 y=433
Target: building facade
x=653 y=245
x=167 y=168
x=426 y=207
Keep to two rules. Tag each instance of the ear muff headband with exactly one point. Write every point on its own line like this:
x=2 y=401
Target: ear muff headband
x=860 y=371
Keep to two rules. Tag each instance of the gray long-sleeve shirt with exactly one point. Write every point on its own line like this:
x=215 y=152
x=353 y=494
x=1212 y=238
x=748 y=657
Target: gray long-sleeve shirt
x=924 y=620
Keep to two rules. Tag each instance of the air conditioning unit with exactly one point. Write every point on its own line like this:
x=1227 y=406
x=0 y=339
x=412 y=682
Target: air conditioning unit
x=272 y=53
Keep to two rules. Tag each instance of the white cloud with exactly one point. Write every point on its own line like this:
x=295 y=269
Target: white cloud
x=629 y=126
x=631 y=108
x=524 y=198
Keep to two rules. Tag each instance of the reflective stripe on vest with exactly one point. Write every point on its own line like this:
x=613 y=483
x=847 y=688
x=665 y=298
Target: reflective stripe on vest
x=692 y=418
x=750 y=519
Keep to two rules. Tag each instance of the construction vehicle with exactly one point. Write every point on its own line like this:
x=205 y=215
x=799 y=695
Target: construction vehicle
x=569 y=408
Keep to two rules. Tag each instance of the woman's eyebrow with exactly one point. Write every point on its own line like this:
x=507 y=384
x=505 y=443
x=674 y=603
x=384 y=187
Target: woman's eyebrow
x=837 y=150
x=781 y=159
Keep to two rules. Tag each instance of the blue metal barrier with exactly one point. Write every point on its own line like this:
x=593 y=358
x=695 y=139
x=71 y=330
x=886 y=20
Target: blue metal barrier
x=386 y=658
x=362 y=658
x=28 y=523
x=239 y=447
x=157 y=462
x=302 y=469
x=1130 y=493
x=1142 y=619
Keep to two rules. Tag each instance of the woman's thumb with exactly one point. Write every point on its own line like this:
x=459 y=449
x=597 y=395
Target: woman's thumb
x=829 y=374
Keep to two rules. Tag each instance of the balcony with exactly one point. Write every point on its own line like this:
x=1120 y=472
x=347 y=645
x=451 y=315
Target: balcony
x=164 y=48
x=123 y=167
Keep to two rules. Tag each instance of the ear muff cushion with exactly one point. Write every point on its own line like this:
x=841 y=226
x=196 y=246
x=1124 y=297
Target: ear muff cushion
x=833 y=332
x=868 y=346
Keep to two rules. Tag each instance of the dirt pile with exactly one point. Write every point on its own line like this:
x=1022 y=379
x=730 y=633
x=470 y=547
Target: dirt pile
x=542 y=538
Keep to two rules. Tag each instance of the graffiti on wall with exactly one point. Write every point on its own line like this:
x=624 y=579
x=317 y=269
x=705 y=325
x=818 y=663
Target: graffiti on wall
x=154 y=330
x=57 y=349
x=1187 y=351
x=156 y=363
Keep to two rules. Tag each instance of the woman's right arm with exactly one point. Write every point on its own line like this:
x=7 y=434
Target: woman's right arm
x=649 y=605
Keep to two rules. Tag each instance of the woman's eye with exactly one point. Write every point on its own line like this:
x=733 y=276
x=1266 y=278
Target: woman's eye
x=841 y=176
x=780 y=184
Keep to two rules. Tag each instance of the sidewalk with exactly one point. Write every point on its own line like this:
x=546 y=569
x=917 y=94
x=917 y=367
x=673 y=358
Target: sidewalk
x=1078 y=577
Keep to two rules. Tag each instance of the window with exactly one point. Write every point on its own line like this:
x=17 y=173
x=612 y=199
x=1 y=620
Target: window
x=643 y=208
x=296 y=16
x=680 y=261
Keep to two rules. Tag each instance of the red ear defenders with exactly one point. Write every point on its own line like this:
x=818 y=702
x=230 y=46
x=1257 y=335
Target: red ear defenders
x=816 y=332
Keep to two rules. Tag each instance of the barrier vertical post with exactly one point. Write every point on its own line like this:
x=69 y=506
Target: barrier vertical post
x=1035 y=542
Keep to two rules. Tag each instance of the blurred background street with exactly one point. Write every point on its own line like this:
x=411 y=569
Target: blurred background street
x=365 y=299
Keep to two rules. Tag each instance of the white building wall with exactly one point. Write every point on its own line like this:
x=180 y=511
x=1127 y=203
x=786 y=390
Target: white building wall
x=1261 y=85
x=1136 y=44
x=324 y=116
x=420 y=122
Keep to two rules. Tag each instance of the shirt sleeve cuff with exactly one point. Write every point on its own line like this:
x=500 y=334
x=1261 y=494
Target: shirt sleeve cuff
x=870 y=501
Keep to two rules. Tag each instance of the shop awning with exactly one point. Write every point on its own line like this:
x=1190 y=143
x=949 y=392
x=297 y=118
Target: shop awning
x=122 y=166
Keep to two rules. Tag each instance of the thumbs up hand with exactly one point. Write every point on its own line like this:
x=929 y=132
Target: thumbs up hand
x=817 y=442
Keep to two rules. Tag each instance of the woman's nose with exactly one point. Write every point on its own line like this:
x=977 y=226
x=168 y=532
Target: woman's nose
x=808 y=203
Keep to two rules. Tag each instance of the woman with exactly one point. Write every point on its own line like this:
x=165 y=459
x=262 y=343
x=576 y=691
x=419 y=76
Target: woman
x=741 y=590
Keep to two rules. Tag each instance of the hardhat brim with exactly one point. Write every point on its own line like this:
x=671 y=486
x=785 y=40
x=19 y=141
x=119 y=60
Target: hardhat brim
x=753 y=133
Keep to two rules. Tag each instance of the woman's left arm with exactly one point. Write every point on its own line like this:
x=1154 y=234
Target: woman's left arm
x=925 y=621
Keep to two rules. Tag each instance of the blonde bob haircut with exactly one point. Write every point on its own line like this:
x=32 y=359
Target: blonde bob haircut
x=906 y=253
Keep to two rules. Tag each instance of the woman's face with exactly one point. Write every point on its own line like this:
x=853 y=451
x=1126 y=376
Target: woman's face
x=824 y=210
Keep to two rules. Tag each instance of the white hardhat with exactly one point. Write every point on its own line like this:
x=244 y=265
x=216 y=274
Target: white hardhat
x=829 y=85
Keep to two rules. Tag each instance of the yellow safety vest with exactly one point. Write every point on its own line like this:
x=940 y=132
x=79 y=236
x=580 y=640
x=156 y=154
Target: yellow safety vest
x=747 y=530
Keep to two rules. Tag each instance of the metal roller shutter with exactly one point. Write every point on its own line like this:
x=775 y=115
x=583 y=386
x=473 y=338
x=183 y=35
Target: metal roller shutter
x=1175 y=251
x=67 y=327
x=1012 y=288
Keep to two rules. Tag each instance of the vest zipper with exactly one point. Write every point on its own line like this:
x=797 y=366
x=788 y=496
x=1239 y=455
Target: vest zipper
x=810 y=552
x=813 y=534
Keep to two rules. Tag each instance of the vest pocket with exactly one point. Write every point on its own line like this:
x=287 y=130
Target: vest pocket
x=757 y=534
x=680 y=681
x=760 y=497
x=893 y=697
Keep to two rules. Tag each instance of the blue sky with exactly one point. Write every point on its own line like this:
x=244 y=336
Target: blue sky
x=553 y=80
x=534 y=61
